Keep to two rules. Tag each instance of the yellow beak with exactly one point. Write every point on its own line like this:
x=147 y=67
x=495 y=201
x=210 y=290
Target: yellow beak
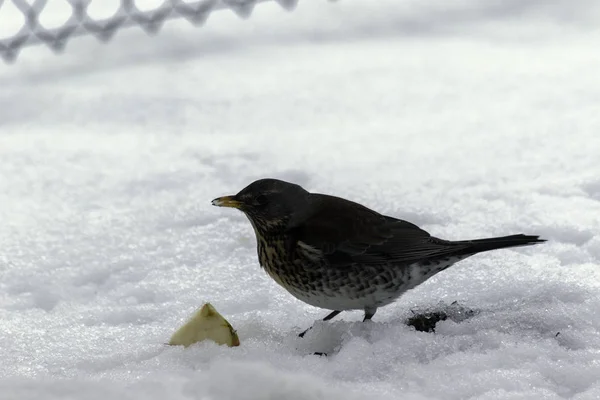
x=227 y=201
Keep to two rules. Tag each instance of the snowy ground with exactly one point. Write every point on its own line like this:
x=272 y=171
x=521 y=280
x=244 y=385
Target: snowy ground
x=469 y=118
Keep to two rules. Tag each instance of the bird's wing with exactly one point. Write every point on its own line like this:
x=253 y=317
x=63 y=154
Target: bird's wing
x=349 y=233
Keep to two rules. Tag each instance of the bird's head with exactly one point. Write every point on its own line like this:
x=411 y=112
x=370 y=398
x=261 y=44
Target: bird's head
x=268 y=203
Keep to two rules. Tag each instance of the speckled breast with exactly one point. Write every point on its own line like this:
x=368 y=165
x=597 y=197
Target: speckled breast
x=308 y=277
x=295 y=273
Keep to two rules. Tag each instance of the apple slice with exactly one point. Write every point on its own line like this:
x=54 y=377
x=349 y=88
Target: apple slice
x=206 y=323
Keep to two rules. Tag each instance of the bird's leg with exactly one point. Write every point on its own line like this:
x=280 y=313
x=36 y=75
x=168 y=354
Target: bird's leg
x=331 y=315
x=369 y=312
x=327 y=318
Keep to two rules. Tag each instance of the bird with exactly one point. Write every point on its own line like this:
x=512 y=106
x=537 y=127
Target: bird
x=339 y=255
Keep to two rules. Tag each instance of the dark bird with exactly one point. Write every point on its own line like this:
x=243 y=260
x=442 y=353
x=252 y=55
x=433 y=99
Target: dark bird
x=338 y=255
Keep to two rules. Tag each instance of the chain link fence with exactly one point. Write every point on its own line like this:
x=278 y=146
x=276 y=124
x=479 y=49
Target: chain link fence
x=128 y=14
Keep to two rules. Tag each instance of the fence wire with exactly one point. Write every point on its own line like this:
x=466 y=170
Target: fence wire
x=128 y=14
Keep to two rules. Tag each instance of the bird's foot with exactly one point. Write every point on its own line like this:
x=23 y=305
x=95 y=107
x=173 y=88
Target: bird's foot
x=327 y=318
x=304 y=333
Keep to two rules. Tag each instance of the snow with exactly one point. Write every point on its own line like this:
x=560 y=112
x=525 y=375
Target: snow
x=468 y=118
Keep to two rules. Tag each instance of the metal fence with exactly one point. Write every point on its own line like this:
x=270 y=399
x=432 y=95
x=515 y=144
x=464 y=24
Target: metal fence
x=128 y=14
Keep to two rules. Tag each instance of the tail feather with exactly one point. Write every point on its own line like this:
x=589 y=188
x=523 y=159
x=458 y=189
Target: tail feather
x=480 y=245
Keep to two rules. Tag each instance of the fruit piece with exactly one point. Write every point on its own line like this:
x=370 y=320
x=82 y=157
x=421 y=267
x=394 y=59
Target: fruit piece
x=207 y=323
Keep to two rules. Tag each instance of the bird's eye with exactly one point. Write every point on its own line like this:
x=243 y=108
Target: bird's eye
x=261 y=200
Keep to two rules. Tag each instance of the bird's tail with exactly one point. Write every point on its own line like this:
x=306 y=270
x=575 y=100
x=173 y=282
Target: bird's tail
x=480 y=245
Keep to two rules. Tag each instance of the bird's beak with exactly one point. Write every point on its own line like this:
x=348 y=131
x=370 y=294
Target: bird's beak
x=227 y=201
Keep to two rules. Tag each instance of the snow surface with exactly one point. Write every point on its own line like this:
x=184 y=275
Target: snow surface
x=469 y=118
